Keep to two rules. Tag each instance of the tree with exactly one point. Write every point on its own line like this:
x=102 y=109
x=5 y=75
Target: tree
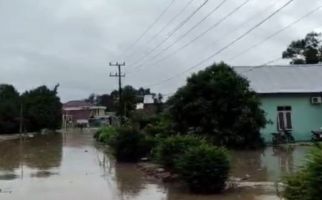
x=42 y=109
x=217 y=102
x=91 y=99
x=9 y=109
x=305 y=51
x=158 y=102
x=129 y=98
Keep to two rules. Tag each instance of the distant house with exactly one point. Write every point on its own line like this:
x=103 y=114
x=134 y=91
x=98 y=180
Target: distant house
x=291 y=97
x=78 y=113
x=149 y=104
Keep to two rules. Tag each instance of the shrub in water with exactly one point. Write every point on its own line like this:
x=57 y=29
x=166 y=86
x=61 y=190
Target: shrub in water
x=129 y=144
x=204 y=168
x=105 y=134
x=307 y=183
x=296 y=187
x=172 y=148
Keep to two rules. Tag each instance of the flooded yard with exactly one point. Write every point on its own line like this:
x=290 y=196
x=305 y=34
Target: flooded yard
x=72 y=166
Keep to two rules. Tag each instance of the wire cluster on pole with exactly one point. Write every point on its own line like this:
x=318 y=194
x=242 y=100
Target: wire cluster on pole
x=119 y=75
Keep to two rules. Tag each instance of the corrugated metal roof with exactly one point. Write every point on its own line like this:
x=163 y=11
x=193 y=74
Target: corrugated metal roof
x=283 y=78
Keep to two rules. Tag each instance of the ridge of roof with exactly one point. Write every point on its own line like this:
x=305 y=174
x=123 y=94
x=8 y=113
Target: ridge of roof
x=291 y=66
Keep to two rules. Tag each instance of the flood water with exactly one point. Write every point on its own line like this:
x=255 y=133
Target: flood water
x=72 y=166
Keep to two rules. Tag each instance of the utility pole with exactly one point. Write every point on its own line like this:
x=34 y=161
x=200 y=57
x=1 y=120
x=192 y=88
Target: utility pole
x=21 y=119
x=119 y=75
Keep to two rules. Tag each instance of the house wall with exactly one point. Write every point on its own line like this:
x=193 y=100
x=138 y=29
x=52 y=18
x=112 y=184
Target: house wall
x=305 y=116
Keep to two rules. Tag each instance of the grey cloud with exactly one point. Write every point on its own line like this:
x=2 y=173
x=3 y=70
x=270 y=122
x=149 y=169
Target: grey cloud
x=71 y=41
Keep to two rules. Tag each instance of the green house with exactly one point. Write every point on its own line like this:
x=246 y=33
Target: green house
x=291 y=97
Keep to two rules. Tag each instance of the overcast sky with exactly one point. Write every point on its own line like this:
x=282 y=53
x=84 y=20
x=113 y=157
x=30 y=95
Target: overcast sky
x=71 y=41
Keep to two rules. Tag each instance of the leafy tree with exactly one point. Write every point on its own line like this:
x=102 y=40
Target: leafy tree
x=305 y=51
x=42 y=108
x=217 y=102
x=91 y=99
x=129 y=99
x=9 y=109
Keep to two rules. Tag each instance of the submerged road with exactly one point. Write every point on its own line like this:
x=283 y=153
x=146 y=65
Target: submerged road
x=72 y=166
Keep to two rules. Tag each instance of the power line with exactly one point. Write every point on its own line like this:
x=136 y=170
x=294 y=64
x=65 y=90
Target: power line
x=251 y=29
x=264 y=64
x=181 y=24
x=191 y=29
x=170 y=21
x=205 y=32
x=228 y=45
x=150 y=26
x=276 y=33
x=249 y=70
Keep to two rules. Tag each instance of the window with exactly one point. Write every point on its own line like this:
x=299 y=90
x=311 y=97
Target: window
x=284 y=118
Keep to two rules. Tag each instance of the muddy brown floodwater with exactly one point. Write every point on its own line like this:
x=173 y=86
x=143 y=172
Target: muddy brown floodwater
x=72 y=166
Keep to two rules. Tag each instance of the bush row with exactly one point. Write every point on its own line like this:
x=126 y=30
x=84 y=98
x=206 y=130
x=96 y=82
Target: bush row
x=127 y=143
x=202 y=166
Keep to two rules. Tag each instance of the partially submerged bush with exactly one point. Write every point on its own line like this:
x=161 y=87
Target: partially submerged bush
x=129 y=144
x=296 y=187
x=307 y=183
x=105 y=134
x=172 y=148
x=204 y=168
x=161 y=125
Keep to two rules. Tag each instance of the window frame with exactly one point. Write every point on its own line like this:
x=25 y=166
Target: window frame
x=286 y=112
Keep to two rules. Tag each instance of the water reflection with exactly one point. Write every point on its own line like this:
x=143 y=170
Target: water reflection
x=177 y=193
x=248 y=164
x=41 y=153
x=10 y=157
x=269 y=164
x=72 y=166
x=129 y=180
x=285 y=158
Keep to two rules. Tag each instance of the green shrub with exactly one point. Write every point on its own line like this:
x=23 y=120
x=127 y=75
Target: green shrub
x=307 y=183
x=172 y=148
x=204 y=168
x=296 y=187
x=129 y=144
x=105 y=134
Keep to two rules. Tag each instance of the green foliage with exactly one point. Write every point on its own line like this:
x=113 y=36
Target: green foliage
x=105 y=134
x=307 y=183
x=296 y=187
x=205 y=168
x=42 y=109
x=129 y=144
x=218 y=102
x=309 y=48
x=160 y=126
x=9 y=109
x=172 y=148
x=141 y=119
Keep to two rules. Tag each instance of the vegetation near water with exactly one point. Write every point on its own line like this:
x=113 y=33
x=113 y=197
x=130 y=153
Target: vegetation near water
x=307 y=183
x=215 y=110
x=36 y=109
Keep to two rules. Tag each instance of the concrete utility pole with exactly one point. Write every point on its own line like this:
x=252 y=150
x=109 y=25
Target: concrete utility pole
x=21 y=119
x=119 y=75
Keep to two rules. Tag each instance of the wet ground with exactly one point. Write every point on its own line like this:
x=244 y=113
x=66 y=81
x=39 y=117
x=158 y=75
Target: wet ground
x=72 y=166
